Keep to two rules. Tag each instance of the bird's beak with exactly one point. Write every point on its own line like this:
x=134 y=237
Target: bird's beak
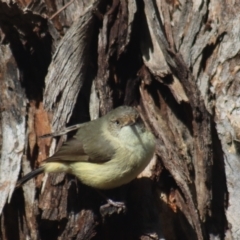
x=131 y=121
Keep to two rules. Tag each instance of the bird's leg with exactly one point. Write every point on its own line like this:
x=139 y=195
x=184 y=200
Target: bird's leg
x=110 y=201
x=116 y=204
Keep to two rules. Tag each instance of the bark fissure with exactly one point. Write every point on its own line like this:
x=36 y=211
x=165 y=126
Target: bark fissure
x=177 y=62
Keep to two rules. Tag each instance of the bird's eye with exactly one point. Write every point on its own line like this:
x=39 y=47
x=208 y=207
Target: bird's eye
x=117 y=122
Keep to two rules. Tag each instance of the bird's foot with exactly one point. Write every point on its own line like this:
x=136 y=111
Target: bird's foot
x=112 y=207
x=116 y=204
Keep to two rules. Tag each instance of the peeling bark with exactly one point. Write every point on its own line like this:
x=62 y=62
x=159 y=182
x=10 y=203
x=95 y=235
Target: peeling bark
x=176 y=61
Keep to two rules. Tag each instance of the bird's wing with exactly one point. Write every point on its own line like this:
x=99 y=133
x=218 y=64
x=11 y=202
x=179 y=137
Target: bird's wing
x=63 y=131
x=74 y=150
x=89 y=144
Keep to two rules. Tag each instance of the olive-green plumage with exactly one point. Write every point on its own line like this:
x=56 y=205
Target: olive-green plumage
x=104 y=153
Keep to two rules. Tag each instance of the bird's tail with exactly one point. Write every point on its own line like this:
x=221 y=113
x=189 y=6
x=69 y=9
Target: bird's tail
x=29 y=176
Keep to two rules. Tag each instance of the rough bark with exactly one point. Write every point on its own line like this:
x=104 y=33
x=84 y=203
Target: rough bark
x=176 y=61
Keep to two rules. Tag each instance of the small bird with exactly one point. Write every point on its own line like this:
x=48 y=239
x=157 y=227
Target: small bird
x=104 y=153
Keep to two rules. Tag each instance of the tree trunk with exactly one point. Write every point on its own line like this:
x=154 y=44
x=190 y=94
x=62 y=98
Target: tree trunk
x=175 y=61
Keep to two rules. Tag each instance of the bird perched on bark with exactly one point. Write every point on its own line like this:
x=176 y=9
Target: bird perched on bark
x=104 y=153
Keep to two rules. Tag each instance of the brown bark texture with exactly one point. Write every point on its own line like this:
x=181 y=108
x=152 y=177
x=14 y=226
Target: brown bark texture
x=174 y=60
